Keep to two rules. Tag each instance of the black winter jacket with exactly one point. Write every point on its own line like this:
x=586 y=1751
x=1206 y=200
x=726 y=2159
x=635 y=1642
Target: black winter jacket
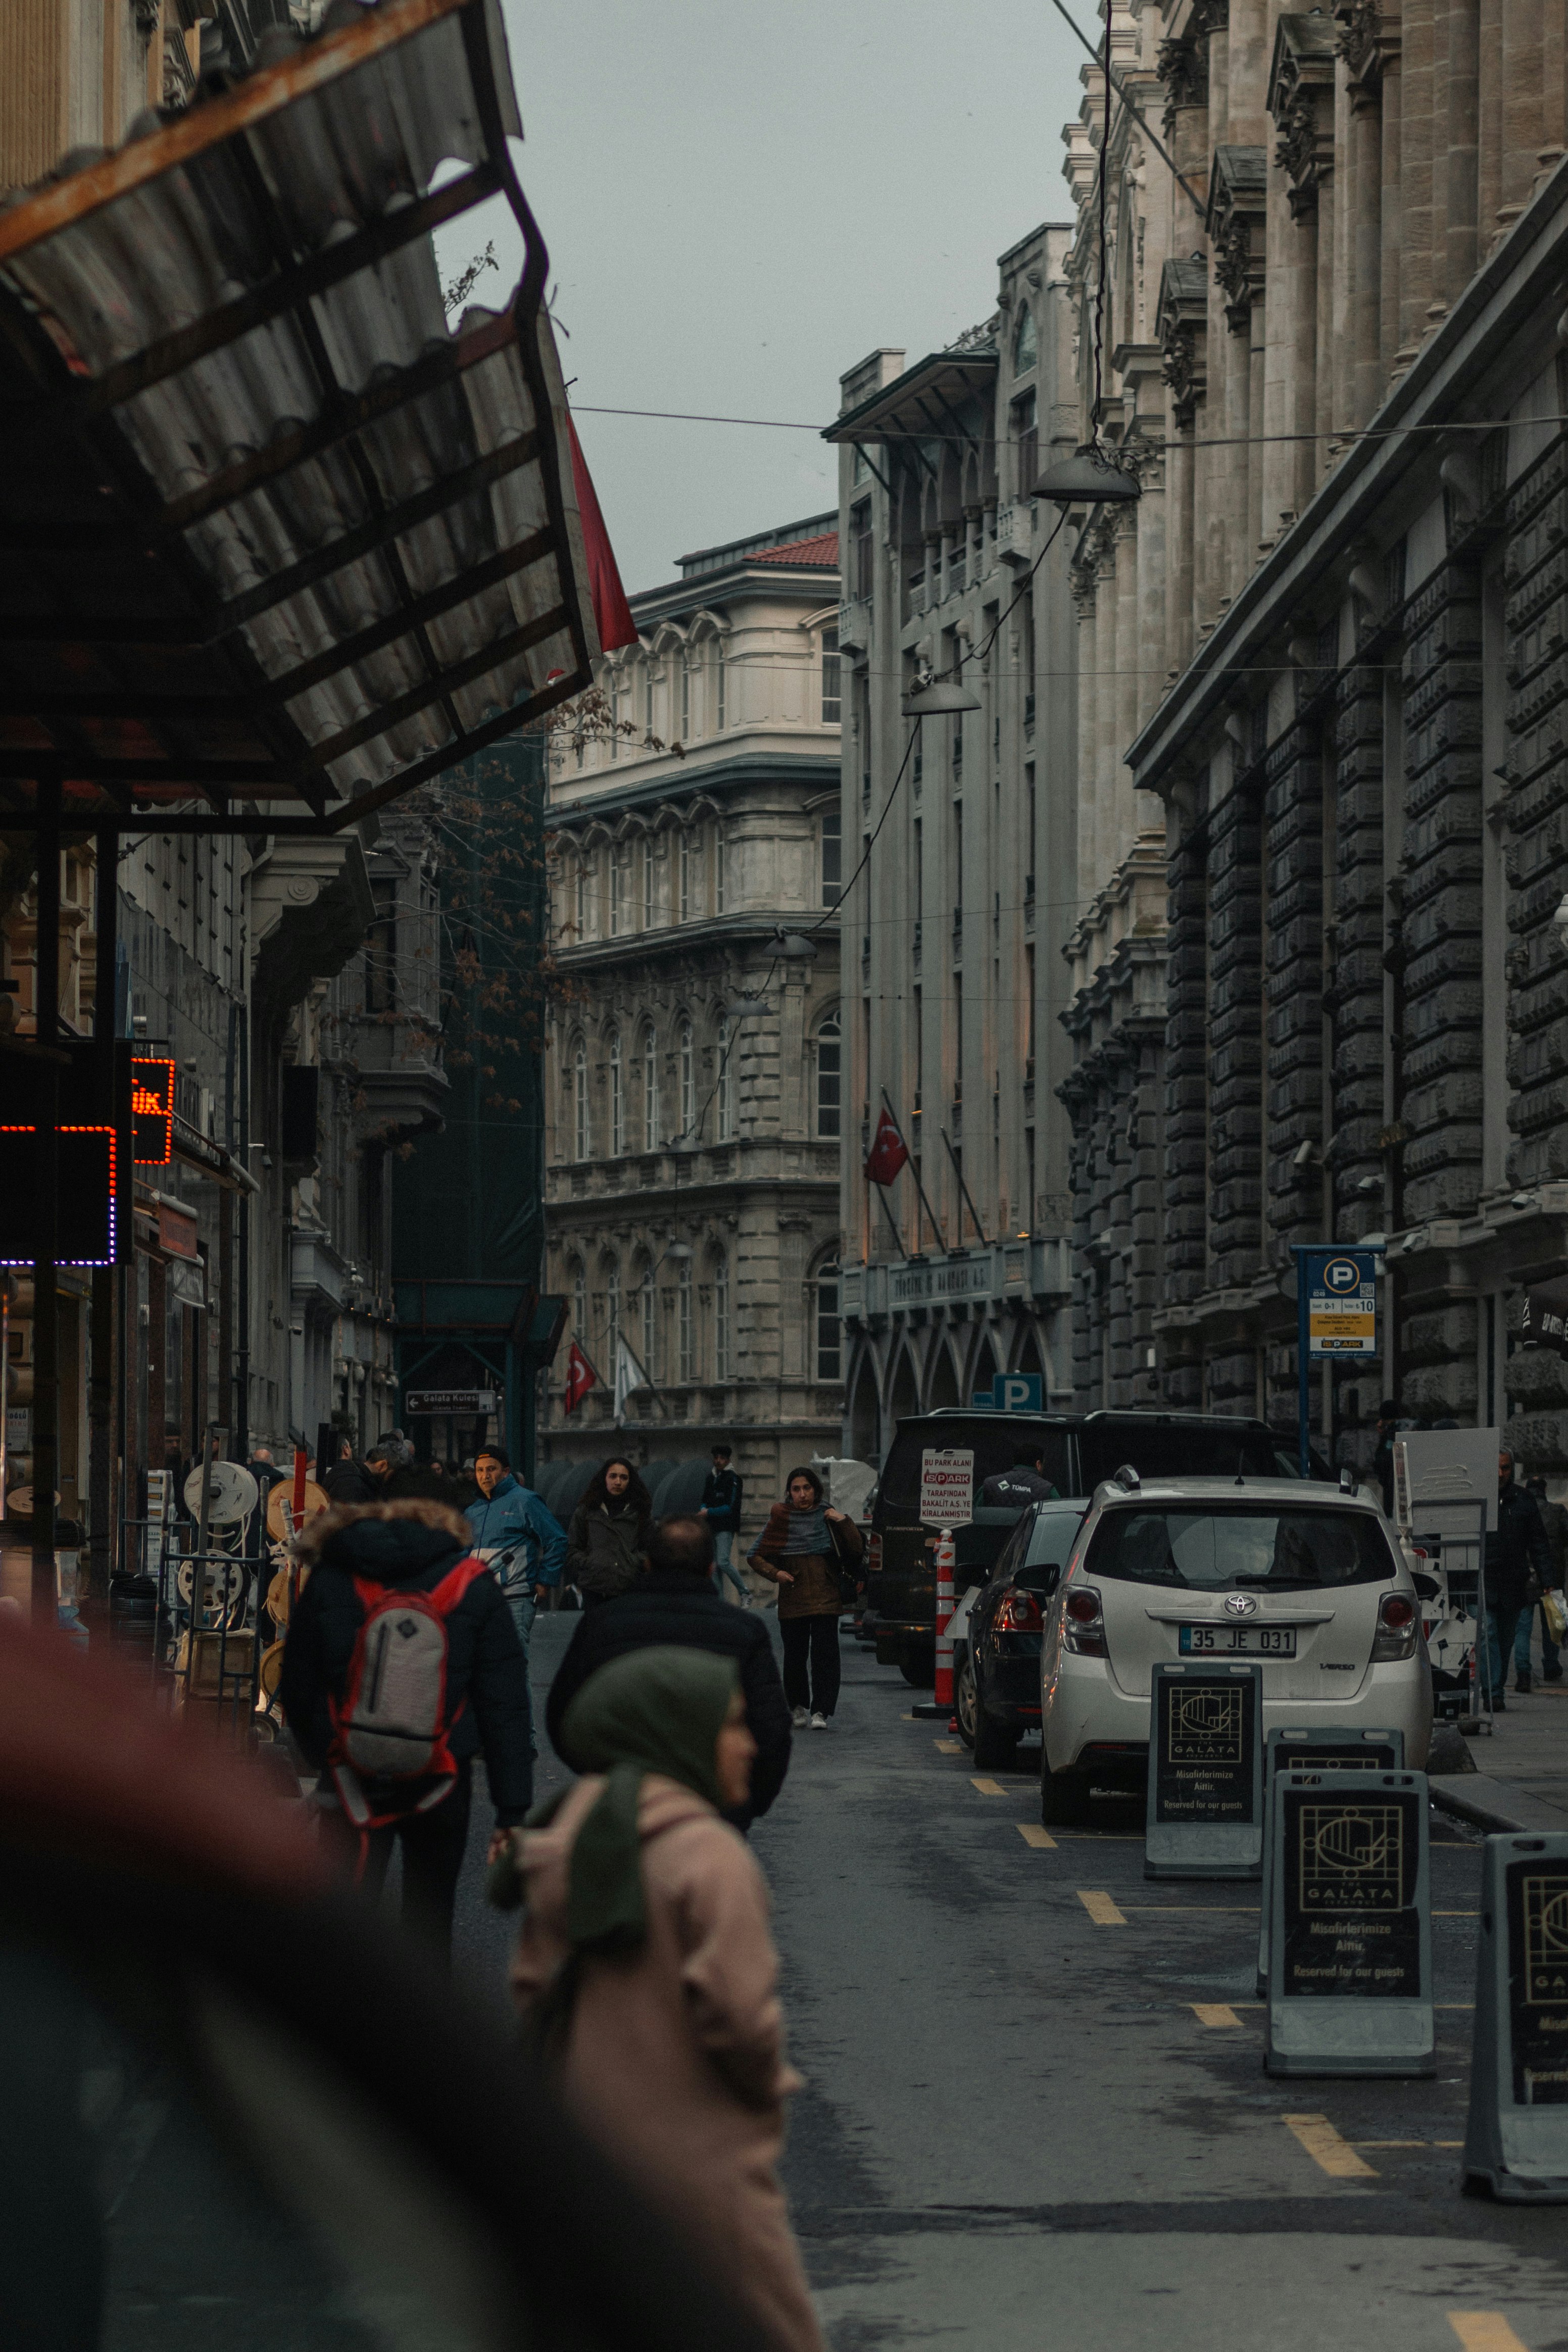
x=605 y=1550
x=684 y=1610
x=486 y=1676
x=350 y=1482
x=1518 y=1546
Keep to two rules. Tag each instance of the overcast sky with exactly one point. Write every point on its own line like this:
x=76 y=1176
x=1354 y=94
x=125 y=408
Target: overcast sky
x=743 y=198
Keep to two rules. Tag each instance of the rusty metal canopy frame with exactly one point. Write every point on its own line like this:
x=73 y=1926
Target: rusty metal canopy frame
x=274 y=540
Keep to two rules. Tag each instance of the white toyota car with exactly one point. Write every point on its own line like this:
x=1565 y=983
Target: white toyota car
x=1309 y=1581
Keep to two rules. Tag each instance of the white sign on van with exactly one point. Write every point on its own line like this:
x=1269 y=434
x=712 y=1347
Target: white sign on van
x=947 y=1485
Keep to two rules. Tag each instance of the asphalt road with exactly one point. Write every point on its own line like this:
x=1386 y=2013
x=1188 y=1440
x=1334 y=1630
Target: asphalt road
x=1021 y=2128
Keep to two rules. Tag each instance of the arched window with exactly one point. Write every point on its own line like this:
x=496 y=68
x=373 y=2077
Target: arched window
x=721 y=1318
x=688 y=1082
x=720 y=871
x=577 y=1276
x=719 y=686
x=684 y=900
x=651 y=1134
x=685 y=1331
x=617 y=875
x=647 y=884
x=613 y=1306
x=827 y=1331
x=615 y=718
x=580 y=1100
x=580 y=915
x=830 y=1077
x=725 y=1091
x=617 y=1098
x=832 y=705
x=832 y=856
x=1025 y=342
x=685 y=698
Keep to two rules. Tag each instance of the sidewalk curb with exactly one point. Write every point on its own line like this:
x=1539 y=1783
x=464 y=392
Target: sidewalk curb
x=1492 y=1805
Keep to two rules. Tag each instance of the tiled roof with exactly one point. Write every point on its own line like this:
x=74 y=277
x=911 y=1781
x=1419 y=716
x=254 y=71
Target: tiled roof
x=822 y=550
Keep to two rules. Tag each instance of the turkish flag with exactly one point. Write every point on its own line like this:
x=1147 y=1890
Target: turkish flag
x=889 y=1151
x=612 y=614
x=580 y=1377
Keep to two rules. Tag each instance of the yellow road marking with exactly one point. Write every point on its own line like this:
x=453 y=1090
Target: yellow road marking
x=1484 y=2331
x=1251 y=1907
x=1461 y=1915
x=988 y=1788
x=1101 y=1909
x=1214 y=2013
x=1325 y=2147
x=1033 y=1834
x=949 y=1747
x=1388 y=2143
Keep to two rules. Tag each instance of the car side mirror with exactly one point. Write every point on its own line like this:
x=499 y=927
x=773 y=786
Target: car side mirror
x=1427 y=1586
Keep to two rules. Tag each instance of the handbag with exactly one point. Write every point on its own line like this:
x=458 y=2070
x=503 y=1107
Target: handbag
x=1555 y=1610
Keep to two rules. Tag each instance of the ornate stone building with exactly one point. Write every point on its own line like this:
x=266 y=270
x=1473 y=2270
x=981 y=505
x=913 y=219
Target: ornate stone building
x=979 y=865
x=693 y=1067
x=1320 y=686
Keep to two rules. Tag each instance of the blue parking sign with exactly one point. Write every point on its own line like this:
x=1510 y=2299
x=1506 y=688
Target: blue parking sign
x=1012 y=1393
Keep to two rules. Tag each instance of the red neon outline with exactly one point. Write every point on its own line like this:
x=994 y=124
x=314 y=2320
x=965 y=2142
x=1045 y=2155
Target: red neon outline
x=8 y=1129
x=155 y=1062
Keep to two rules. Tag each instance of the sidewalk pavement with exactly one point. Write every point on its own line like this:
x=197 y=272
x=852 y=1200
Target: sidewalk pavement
x=1521 y=1777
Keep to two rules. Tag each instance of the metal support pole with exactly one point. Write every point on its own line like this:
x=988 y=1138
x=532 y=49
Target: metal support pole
x=242 y=1352
x=45 y=1324
x=1302 y=1362
x=102 y=1452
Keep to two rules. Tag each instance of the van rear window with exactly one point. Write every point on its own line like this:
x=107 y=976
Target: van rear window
x=1211 y=1550
x=997 y=1443
x=1169 y=1450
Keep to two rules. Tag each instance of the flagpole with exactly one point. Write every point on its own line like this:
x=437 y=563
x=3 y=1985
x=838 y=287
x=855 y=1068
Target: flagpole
x=898 y=1236
x=964 y=1188
x=936 y=1231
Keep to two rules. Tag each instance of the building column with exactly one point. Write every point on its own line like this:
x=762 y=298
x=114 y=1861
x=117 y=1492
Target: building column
x=1235 y=1037
x=1179 y=462
x=1416 y=178
x=1367 y=230
x=1125 y=696
x=1355 y=997
x=1389 y=260
x=1521 y=113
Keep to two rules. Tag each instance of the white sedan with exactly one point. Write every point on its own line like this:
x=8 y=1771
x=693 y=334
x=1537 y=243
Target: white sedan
x=1307 y=1580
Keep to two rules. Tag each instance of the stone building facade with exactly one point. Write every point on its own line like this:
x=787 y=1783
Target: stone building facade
x=692 y=1147
x=1332 y=355
x=971 y=832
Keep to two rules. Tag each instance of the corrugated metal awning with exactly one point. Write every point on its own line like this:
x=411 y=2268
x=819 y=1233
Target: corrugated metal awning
x=269 y=529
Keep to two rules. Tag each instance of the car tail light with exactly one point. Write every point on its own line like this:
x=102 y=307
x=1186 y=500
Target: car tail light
x=874 y=1555
x=1398 y=1624
x=1083 y=1623
x=1019 y=1613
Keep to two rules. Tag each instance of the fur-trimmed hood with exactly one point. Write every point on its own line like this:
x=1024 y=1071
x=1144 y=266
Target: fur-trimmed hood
x=391 y=1542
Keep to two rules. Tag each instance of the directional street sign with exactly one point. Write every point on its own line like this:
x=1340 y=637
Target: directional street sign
x=1517 y=2138
x=1205 y=1772
x=1349 y=1943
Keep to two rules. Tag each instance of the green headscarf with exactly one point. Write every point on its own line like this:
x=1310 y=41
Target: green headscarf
x=651 y=1711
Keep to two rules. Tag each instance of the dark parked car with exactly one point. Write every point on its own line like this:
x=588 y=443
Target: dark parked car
x=1079 y=1451
x=997 y=1666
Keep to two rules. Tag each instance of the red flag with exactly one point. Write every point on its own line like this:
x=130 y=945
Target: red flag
x=580 y=1377
x=889 y=1151
x=612 y=614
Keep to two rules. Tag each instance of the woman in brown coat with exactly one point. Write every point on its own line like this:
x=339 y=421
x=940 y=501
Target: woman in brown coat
x=803 y=1548
x=647 y=1966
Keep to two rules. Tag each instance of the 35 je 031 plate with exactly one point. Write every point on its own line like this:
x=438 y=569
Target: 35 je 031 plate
x=1238 y=1641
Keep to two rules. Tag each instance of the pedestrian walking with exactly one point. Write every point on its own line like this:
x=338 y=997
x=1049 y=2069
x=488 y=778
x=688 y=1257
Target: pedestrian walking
x=1554 y=1521
x=362 y=1559
x=347 y=1481
x=519 y=1540
x=1517 y=1569
x=675 y=1605
x=721 y=1493
x=804 y=1549
x=1024 y=1484
x=647 y=1971
x=609 y=1527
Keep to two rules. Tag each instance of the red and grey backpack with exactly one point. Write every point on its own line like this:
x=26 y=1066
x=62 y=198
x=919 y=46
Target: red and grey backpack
x=392 y=1723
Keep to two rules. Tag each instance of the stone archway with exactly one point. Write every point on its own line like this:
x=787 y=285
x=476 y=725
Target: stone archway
x=986 y=1368
x=904 y=1396
x=865 y=1414
x=943 y=1386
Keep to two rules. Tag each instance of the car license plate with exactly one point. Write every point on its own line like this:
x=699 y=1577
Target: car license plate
x=1238 y=1641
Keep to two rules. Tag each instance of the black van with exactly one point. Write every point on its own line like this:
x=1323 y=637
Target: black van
x=1079 y=1451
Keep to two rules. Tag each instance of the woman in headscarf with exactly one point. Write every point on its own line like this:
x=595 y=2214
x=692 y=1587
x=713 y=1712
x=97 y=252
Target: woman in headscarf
x=804 y=1549
x=609 y=1527
x=647 y=1964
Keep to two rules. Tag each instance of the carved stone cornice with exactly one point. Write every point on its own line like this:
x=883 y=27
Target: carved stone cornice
x=1369 y=43
x=1238 y=190
x=1209 y=16
x=1181 y=329
x=1301 y=100
x=1182 y=68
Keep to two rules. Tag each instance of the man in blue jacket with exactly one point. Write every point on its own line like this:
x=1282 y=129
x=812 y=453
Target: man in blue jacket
x=523 y=1544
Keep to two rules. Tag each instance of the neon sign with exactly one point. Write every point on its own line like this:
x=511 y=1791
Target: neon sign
x=151 y=1112
x=84 y=1189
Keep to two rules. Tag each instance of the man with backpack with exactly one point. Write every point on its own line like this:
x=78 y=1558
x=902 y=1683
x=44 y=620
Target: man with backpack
x=401 y=1663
